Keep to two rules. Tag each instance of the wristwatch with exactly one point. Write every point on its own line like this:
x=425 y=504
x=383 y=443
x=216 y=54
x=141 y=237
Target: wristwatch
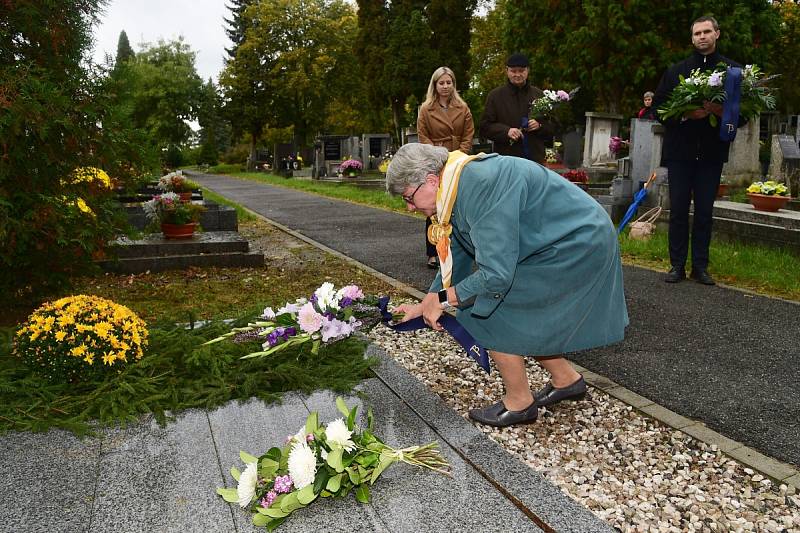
x=443 y=301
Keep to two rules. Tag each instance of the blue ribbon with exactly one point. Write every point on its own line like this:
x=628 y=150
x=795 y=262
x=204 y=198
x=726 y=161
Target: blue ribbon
x=730 y=108
x=449 y=323
x=524 y=127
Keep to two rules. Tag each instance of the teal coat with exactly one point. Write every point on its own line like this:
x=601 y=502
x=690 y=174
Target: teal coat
x=548 y=276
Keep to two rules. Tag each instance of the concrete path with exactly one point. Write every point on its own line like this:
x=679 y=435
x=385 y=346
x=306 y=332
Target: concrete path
x=147 y=478
x=719 y=355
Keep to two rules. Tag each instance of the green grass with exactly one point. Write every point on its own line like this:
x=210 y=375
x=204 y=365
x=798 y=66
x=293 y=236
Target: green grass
x=762 y=269
x=377 y=197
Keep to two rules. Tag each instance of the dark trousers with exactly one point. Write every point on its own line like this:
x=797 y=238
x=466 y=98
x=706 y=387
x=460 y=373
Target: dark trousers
x=698 y=181
x=430 y=249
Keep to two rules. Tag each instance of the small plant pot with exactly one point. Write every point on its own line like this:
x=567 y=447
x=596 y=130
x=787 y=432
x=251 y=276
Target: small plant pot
x=185 y=196
x=722 y=190
x=767 y=202
x=178 y=231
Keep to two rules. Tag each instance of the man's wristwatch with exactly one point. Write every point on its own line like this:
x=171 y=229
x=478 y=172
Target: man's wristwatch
x=443 y=300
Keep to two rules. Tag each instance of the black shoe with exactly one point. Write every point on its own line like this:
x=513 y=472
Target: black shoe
x=497 y=415
x=433 y=262
x=550 y=395
x=675 y=275
x=701 y=276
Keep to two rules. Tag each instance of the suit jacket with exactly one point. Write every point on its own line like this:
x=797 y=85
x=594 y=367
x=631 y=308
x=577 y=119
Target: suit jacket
x=451 y=128
x=505 y=107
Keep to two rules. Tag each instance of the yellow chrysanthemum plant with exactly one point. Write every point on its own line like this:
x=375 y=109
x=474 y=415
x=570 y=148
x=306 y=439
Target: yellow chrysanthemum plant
x=80 y=338
x=95 y=180
x=769 y=188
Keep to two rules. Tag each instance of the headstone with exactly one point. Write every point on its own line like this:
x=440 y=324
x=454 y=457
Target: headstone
x=645 y=148
x=572 y=148
x=743 y=166
x=785 y=162
x=600 y=127
x=375 y=146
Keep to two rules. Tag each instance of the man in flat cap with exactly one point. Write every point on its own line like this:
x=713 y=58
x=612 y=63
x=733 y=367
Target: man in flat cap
x=505 y=118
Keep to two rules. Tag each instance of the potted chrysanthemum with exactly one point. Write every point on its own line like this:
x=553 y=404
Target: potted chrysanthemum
x=351 y=168
x=768 y=195
x=175 y=182
x=178 y=219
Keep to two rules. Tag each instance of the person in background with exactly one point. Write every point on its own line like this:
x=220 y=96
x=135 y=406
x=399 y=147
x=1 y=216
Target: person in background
x=444 y=120
x=530 y=262
x=505 y=118
x=693 y=154
x=648 y=112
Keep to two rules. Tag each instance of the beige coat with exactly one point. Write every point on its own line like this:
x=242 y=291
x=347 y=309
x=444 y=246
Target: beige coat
x=451 y=128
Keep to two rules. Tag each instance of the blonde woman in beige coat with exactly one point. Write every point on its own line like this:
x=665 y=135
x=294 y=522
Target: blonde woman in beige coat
x=444 y=120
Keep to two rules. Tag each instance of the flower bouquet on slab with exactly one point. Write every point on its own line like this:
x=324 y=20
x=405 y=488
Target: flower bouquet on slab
x=329 y=315
x=709 y=86
x=319 y=461
x=543 y=107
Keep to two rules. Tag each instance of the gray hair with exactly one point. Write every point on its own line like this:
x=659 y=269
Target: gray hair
x=411 y=165
x=648 y=94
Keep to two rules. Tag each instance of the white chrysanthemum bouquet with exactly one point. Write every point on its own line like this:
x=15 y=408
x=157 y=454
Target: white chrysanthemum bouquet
x=318 y=462
x=327 y=316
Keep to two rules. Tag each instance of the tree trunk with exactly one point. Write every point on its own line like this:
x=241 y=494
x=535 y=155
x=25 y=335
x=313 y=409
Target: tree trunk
x=251 y=159
x=396 y=110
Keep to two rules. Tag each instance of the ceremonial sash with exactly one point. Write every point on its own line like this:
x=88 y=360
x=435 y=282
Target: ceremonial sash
x=449 y=323
x=524 y=128
x=440 y=229
x=730 y=108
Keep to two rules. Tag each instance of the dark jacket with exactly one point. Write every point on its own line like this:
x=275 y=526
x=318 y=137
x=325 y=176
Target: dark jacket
x=505 y=107
x=686 y=140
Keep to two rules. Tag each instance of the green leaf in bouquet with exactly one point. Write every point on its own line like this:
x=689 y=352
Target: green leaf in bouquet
x=285 y=319
x=386 y=460
x=312 y=422
x=273 y=511
x=306 y=495
x=274 y=453
x=229 y=495
x=334 y=460
x=362 y=493
x=259 y=520
x=247 y=458
x=290 y=503
x=367 y=459
x=355 y=477
x=713 y=120
x=334 y=483
x=235 y=473
x=342 y=407
x=315 y=347
x=351 y=418
x=321 y=479
x=274 y=523
x=370 y=422
x=267 y=468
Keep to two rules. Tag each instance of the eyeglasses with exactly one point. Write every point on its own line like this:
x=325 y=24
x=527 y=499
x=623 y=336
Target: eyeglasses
x=410 y=199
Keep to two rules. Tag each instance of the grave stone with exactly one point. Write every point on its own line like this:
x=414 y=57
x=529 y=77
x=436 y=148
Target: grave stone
x=375 y=145
x=785 y=162
x=600 y=127
x=572 y=148
x=743 y=166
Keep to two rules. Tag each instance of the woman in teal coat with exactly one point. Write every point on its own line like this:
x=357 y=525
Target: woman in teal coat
x=548 y=278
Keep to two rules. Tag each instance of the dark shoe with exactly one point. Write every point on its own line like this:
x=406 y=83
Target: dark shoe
x=550 y=395
x=433 y=262
x=701 y=276
x=497 y=415
x=675 y=275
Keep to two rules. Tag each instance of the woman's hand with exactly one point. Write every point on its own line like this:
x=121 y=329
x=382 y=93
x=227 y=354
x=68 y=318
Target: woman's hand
x=409 y=311
x=432 y=310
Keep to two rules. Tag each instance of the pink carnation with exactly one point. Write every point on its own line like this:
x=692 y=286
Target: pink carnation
x=352 y=292
x=563 y=95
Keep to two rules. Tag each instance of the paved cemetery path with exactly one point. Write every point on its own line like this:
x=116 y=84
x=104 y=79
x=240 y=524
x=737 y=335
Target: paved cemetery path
x=715 y=354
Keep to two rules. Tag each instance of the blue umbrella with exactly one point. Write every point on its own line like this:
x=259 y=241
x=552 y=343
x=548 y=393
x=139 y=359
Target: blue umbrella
x=637 y=199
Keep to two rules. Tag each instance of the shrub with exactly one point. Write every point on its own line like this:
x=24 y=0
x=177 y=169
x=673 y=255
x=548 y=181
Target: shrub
x=80 y=338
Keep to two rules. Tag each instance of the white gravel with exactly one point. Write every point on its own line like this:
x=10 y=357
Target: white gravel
x=631 y=470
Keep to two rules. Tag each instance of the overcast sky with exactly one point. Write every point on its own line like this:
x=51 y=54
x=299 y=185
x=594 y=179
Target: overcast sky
x=200 y=22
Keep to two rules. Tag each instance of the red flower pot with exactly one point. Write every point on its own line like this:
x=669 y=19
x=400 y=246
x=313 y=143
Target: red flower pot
x=767 y=202
x=722 y=190
x=185 y=196
x=178 y=231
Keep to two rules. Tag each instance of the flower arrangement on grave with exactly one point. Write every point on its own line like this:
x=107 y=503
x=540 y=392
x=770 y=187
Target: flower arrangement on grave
x=168 y=208
x=576 y=176
x=174 y=182
x=768 y=188
x=618 y=145
x=543 y=107
x=80 y=337
x=91 y=176
x=709 y=85
x=320 y=461
x=329 y=315
x=351 y=167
